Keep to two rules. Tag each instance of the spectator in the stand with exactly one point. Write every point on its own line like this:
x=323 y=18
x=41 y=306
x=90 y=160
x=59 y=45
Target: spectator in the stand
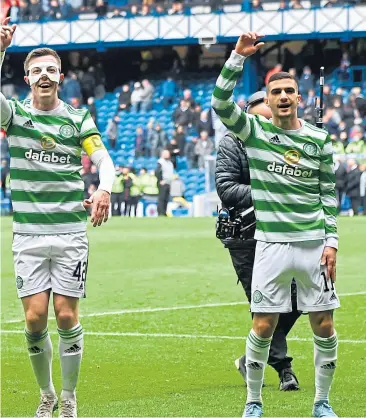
x=353 y=185
x=187 y=96
x=283 y=5
x=344 y=67
x=147 y=95
x=4 y=173
x=65 y=9
x=176 y=8
x=137 y=96
x=357 y=143
x=140 y=142
x=71 y=87
x=112 y=131
x=190 y=153
x=117 y=193
x=92 y=108
x=205 y=123
x=88 y=83
x=54 y=12
x=101 y=8
x=174 y=151
x=164 y=173
x=158 y=141
x=292 y=71
x=124 y=99
x=90 y=178
x=204 y=147
x=4 y=146
x=333 y=3
x=338 y=147
x=183 y=114
x=118 y=13
x=276 y=69
x=134 y=11
x=23 y=11
x=327 y=96
x=196 y=114
x=340 y=173
x=180 y=137
x=145 y=10
x=159 y=10
x=309 y=107
x=296 y=4
x=177 y=189
x=306 y=81
x=256 y=5
x=168 y=92
x=35 y=11
x=14 y=11
x=363 y=187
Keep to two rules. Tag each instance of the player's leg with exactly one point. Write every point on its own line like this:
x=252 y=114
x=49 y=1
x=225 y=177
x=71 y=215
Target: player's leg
x=71 y=345
x=69 y=263
x=32 y=268
x=242 y=258
x=317 y=295
x=271 y=295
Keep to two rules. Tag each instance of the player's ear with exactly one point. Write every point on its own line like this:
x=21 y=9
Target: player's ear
x=62 y=78
x=26 y=79
x=299 y=98
x=266 y=101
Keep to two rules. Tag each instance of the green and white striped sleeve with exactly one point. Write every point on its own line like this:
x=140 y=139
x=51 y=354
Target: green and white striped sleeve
x=222 y=100
x=327 y=193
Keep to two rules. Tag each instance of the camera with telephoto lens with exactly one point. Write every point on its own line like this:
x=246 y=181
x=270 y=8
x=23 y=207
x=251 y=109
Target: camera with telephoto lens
x=240 y=227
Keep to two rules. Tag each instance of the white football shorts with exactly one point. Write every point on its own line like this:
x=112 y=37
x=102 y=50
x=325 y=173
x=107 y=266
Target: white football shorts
x=276 y=264
x=56 y=262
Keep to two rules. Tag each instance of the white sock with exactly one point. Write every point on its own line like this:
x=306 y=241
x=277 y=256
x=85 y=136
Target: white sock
x=40 y=354
x=257 y=351
x=325 y=360
x=71 y=347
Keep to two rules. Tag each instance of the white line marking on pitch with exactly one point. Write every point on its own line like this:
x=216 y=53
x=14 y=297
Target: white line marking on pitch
x=187 y=336
x=168 y=308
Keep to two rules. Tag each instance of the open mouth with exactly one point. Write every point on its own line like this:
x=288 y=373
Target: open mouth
x=284 y=106
x=45 y=85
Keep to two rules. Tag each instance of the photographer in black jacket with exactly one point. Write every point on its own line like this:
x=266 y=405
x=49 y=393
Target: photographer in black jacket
x=233 y=187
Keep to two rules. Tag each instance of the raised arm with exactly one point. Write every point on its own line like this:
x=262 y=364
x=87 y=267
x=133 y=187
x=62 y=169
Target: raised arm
x=222 y=101
x=6 y=37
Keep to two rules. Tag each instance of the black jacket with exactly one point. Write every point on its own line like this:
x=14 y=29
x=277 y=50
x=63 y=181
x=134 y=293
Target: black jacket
x=353 y=183
x=341 y=174
x=232 y=174
x=233 y=180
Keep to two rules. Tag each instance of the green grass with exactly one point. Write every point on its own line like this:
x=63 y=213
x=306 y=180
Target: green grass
x=153 y=263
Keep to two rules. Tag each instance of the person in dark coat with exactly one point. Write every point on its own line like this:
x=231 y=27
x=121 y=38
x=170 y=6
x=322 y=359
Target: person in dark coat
x=124 y=99
x=353 y=185
x=233 y=187
x=340 y=173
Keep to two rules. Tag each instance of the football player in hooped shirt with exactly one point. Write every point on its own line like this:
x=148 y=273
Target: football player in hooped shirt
x=293 y=191
x=50 y=247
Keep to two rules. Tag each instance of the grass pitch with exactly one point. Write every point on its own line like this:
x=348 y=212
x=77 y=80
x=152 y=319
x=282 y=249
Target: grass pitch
x=165 y=320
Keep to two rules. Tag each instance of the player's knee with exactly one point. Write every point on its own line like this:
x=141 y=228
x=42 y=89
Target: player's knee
x=264 y=325
x=322 y=323
x=66 y=318
x=36 y=320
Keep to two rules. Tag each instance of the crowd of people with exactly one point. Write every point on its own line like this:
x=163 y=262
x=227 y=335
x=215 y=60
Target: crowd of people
x=197 y=131
x=36 y=10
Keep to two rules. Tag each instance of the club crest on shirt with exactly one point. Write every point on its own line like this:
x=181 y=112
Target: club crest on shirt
x=48 y=143
x=67 y=131
x=292 y=157
x=310 y=149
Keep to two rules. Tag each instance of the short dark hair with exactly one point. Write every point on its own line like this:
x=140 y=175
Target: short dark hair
x=41 y=52
x=282 y=75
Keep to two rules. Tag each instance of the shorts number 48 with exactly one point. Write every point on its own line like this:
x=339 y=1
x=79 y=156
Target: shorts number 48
x=81 y=271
